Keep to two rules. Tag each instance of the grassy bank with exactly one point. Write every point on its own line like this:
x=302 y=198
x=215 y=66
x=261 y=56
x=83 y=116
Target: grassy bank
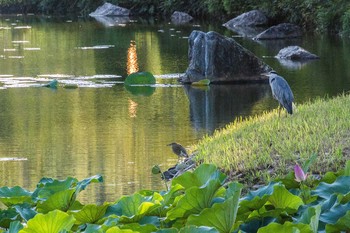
x=267 y=146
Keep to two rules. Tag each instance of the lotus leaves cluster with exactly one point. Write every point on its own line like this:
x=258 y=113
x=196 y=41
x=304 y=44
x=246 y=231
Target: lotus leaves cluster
x=198 y=201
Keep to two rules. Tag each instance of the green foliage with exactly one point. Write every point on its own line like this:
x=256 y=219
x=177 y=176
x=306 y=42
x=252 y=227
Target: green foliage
x=197 y=201
x=53 y=222
x=318 y=15
x=268 y=141
x=140 y=78
x=346 y=23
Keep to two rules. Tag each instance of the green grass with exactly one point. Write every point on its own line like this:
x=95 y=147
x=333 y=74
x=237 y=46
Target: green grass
x=267 y=146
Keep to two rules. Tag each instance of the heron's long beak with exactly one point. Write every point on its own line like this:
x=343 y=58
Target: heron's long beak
x=265 y=74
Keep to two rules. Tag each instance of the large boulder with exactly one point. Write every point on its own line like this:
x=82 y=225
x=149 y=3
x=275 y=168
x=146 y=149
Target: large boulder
x=280 y=31
x=295 y=53
x=179 y=17
x=252 y=18
x=221 y=60
x=108 y=9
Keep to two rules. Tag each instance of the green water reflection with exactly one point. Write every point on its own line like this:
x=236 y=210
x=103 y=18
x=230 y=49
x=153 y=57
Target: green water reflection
x=121 y=133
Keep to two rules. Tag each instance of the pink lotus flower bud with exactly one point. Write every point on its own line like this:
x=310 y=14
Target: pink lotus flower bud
x=299 y=173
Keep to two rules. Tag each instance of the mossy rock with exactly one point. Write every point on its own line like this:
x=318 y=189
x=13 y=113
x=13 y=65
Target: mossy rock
x=203 y=82
x=140 y=78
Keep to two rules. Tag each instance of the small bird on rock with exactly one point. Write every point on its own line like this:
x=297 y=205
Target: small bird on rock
x=178 y=150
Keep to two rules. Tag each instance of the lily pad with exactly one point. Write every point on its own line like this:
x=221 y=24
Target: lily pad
x=140 y=78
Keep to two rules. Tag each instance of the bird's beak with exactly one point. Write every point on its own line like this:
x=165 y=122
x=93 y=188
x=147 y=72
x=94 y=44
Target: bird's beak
x=265 y=74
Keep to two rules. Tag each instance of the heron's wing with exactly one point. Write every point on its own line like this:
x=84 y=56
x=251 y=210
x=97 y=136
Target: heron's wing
x=283 y=94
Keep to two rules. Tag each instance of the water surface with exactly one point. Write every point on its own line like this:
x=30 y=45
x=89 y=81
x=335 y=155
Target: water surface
x=102 y=127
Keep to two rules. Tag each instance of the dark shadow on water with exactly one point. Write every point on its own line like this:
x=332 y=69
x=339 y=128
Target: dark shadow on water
x=219 y=105
x=278 y=44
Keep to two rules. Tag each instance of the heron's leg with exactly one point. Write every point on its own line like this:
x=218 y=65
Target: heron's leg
x=279 y=110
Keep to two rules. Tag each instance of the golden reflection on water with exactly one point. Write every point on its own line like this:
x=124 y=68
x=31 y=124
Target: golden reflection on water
x=88 y=131
x=132 y=108
x=132 y=65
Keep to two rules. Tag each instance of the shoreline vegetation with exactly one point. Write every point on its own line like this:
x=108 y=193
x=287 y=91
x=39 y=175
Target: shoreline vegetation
x=312 y=15
x=259 y=149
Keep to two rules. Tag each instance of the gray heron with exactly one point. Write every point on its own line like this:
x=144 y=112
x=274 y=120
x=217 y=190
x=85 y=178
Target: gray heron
x=281 y=91
x=178 y=150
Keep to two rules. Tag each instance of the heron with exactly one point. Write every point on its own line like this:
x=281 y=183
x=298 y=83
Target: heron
x=178 y=149
x=281 y=91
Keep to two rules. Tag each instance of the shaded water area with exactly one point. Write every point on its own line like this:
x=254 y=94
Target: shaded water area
x=103 y=128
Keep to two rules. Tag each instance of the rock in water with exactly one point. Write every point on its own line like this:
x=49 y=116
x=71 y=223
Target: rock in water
x=280 y=31
x=221 y=60
x=180 y=17
x=109 y=9
x=295 y=53
x=249 y=19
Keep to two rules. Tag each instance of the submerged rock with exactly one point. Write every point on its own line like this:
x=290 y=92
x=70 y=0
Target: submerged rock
x=221 y=60
x=180 y=17
x=295 y=53
x=280 y=31
x=108 y=9
x=51 y=84
x=251 y=19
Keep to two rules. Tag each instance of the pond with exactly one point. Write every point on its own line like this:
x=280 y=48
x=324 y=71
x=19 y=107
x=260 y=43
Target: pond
x=103 y=128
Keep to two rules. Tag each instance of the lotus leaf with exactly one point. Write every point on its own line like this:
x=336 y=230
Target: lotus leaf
x=195 y=229
x=261 y=192
x=47 y=187
x=81 y=185
x=330 y=214
x=283 y=199
x=26 y=211
x=15 y=195
x=339 y=186
x=222 y=216
x=200 y=177
x=342 y=225
x=312 y=217
x=195 y=200
x=52 y=222
x=132 y=208
x=118 y=230
x=92 y=228
x=7 y=216
x=141 y=228
x=90 y=213
x=15 y=227
x=287 y=227
x=60 y=201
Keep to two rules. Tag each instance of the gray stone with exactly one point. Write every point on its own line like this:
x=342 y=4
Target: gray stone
x=221 y=60
x=251 y=19
x=180 y=17
x=295 y=53
x=111 y=21
x=108 y=9
x=280 y=31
